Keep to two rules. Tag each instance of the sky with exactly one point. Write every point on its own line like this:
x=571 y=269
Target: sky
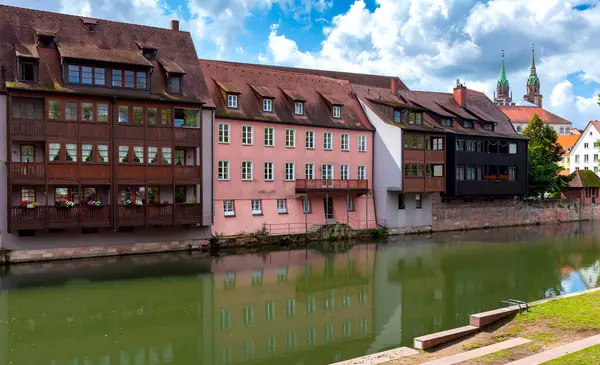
x=427 y=43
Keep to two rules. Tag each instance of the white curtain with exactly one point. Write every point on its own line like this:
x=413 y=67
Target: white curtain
x=86 y=153
x=103 y=153
x=123 y=152
x=166 y=151
x=152 y=154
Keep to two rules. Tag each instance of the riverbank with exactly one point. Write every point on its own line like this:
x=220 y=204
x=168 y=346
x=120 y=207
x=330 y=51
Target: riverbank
x=548 y=324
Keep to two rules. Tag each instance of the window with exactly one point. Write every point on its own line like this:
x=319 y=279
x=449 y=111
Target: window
x=117 y=78
x=281 y=206
x=397 y=116
x=401 y=201
x=223 y=170
x=309 y=171
x=585 y=158
x=518 y=129
x=232 y=101
x=310 y=140
x=595 y=157
x=223 y=133
x=576 y=158
x=228 y=208
x=61 y=194
x=446 y=122
x=344 y=172
x=595 y=169
x=27 y=153
x=415 y=118
x=129 y=79
x=166 y=118
x=248 y=315
x=255 y=211
x=267 y=105
x=345 y=142
x=418 y=201
x=488 y=126
x=586 y=145
x=414 y=142
x=174 y=85
x=140 y=80
x=337 y=111
x=299 y=108
x=562 y=130
x=362 y=143
x=282 y=273
x=290 y=174
x=270 y=137
x=28 y=195
x=123 y=154
x=290 y=309
x=247 y=135
x=305 y=205
x=152 y=115
x=327 y=172
x=349 y=204
x=268 y=171
x=290 y=138
x=471 y=173
x=99 y=76
x=102 y=112
x=468 y=124
x=123 y=114
x=73 y=74
x=362 y=172
x=585 y=168
x=328 y=332
x=512 y=173
x=53 y=109
x=138 y=115
x=438 y=170
x=327 y=141
x=437 y=143
x=28 y=71
x=86 y=75
x=247 y=170
x=512 y=148
x=224 y=319
x=471 y=146
x=70 y=110
x=180 y=158
x=460 y=145
x=311 y=333
x=91 y=154
x=413 y=170
x=54 y=151
x=460 y=173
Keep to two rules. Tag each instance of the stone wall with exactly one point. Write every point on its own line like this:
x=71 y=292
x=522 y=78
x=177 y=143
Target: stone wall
x=459 y=214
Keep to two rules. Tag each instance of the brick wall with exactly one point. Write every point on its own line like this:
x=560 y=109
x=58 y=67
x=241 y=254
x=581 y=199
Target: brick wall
x=459 y=214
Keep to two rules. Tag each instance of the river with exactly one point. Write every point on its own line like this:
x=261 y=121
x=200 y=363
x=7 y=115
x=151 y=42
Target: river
x=309 y=306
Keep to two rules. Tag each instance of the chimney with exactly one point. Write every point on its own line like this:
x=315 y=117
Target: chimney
x=460 y=93
x=175 y=25
x=394 y=85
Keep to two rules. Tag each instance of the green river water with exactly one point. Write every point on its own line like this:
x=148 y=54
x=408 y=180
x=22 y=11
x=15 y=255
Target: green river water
x=310 y=306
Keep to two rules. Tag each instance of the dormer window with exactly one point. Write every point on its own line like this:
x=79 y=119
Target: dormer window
x=28 y=71
x=299 y=108
x=232 y=101
x=488 y=126
x=90 y=28
x=337 y=111
x=446 y=122
x=397 y=116
x=267 y=105
x=174 y=84
x=46 y=41
x=415 y=118
x=149 y=53
x=468 y=124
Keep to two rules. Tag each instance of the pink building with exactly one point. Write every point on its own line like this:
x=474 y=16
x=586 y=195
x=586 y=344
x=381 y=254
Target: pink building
x=291 y=150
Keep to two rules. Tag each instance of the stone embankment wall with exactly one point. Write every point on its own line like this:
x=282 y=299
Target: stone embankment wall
x=460 y=214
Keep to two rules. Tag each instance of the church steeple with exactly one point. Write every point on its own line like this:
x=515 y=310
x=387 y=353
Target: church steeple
x=502 y=96
x=533 y=83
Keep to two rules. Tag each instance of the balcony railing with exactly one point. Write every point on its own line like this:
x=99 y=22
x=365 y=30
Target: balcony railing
x=132 y=215
x=160 y=214
x=27 y=171
x=57 y=217
x=187 y=137
x=324 y=185
x=28 y=219
x=187 y=173
x=188 y=213
x=27 y=129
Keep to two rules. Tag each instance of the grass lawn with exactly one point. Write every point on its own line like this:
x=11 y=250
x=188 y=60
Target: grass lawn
x=590 y=355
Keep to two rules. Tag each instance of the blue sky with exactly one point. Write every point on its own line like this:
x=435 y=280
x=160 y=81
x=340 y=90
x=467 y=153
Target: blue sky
x=427 y=43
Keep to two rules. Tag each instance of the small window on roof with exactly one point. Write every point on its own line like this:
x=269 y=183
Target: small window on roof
x=267 y=105
x=468 y=124
x=174 y=84
x=46 y=41
x=28 y=71
x=90 y=28
x=446 y=122
x=488 y=126
x=337 y=111
x=299 y=108
x=149 y=53
x=415 y=118
x=232 y=101
x=397 y=116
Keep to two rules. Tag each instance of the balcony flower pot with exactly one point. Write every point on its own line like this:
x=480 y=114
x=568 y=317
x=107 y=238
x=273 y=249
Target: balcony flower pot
x=94 y=204
x=23 y=204
x=129 y=202
x=67 y=204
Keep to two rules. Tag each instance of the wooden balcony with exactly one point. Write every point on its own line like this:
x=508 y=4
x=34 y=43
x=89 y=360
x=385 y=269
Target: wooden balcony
x=160 y=214
x=95 y=217
x=424 y=184
x=96 y=132
x=323 y=186
x=94 y=173
x=188 y=214
x=159 y=174
x=132 y=216
x=159 y=134
x=27 y=130
x=131 y=132
x=131 y=174
x=28 y=219
x=60 y=218
x=27 y=172
x=62 y=173
x=188 y=137
x=187 y=174
x=63 y=130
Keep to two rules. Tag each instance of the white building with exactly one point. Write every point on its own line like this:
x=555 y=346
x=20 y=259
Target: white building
x=584 y=155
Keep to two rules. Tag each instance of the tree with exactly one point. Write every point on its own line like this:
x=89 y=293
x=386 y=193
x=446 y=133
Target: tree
x=544 y=155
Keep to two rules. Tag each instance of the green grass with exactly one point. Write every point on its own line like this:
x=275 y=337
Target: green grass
x=473 y=346
x=495 y=357
x=543 y=337
x=590 y=355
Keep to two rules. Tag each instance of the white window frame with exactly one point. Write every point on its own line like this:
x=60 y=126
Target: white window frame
x=309 y=140
x=290 y=138
x=267 y=105
x=246 y=165
x=323 y=176
x=337 y=112
x=272 y=135
x=247 y=135
x=288 y=171
x=327 y=137
x=232 y=101
x=305 y=205
x=362 y=172
x=312 y=171
x=362 y=143
x=298 y=108
x=345 y=142
x=226 y=128
x=586 y=158
x=345 y=172
x=225 y=166
x=586 y=145
x=256 y=206
x=226 y=205
x=437 y=170
x=269 y=174
x=281 y=206
x=512 y=148
x=349 y=204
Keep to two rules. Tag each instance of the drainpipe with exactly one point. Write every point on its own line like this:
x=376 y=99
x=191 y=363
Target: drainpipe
x=114 y=204
x=212 y=168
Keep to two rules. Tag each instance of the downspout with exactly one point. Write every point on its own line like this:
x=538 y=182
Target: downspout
x=115 y=206
x=212 y=168
x=373 y=177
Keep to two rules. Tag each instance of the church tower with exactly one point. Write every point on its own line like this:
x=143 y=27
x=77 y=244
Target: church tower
x=502 y=95
x=533 y=84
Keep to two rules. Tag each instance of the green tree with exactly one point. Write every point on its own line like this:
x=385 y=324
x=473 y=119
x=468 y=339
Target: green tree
x=544 y=155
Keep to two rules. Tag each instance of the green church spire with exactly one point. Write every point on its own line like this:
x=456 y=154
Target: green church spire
x=503 y=80
x=533 y=77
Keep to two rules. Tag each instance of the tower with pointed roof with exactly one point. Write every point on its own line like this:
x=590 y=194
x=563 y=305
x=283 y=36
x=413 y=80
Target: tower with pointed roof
x=502 y=95
x=533 y=83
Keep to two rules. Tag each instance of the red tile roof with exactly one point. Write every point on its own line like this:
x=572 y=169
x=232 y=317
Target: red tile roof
x=523 y=114
x=285 y=86
x=110 y=42
x=568 y=142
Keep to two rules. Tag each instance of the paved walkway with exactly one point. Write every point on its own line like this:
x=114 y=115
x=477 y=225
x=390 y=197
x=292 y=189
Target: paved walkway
x=558 y=352
x=473 y=354
x=380 y=357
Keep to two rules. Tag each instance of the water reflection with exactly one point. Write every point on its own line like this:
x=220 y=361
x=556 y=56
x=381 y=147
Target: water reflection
x=311 y=306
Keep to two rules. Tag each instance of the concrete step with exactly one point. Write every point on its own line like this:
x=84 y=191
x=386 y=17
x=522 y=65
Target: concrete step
x=380 y=357
x=434 y=339
x=489 y=317
x=558 y=352
x=482 y=351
